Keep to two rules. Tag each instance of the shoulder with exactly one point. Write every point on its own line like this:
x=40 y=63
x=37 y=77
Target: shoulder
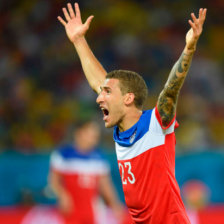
x=98 y=154
x=66 y=151
x=63 y=153
x=156 y=125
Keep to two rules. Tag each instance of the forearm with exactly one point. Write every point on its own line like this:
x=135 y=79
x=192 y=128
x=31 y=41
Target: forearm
x=108 y=192
x=178 y=73
x=56 y=185
x=58 y=190
x=168 y=97
x=94 y=71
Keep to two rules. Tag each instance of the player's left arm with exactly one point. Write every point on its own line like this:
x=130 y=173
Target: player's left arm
x=167 y=100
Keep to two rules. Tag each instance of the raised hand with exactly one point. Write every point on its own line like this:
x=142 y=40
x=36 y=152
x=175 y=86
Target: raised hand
x=74 y=27
x=196 y=28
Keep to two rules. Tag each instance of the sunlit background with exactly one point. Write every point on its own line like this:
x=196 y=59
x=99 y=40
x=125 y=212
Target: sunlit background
x=43 y=93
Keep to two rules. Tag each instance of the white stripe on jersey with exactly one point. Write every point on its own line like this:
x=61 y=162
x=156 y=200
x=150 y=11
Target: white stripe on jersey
x=154 y=137
x=78 y=166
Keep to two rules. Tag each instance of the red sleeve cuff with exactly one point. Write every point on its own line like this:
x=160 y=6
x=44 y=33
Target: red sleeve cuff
x=160 y=120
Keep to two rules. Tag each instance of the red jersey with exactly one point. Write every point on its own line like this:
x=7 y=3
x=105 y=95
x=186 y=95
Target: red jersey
x=80 y=174
x=146 y=159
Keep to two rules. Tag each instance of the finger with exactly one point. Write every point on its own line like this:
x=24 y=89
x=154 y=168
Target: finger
x=88 y=21
x=200 y=13
x=193 y=26
x=61 y=21
x=77 y=10
x=204 y=14
x=194 y=17
x=66 y=14
x=71 y=11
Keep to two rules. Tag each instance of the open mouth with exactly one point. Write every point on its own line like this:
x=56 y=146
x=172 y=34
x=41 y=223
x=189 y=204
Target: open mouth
x=105 y=113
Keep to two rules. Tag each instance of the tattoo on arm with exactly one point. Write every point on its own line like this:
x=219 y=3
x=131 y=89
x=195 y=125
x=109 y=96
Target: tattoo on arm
x=168 y=97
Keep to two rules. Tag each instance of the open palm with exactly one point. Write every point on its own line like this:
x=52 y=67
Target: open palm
x=74 y=26
x=196 y=28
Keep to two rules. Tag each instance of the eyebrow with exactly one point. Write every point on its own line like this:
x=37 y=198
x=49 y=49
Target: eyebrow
x=104 y=88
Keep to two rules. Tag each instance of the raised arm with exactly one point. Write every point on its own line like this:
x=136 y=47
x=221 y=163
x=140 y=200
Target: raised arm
x=168 y=97
x=76 y=30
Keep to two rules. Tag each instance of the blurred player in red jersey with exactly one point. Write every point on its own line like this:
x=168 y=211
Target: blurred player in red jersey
x=144 y=140
x=79 y=173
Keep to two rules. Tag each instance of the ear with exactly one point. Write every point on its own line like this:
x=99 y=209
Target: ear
x=129 y=98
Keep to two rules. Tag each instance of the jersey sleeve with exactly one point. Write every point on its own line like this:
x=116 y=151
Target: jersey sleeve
x=104 y=166
x=156 y=125
x=56 y=161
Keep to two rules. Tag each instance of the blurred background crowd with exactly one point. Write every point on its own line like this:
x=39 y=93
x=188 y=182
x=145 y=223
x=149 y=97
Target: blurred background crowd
x=43 y=91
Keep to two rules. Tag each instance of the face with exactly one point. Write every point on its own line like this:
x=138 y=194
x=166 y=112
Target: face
x=111 y=102
x=88 y=136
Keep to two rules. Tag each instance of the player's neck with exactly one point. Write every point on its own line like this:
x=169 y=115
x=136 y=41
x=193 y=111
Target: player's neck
x=130 y=118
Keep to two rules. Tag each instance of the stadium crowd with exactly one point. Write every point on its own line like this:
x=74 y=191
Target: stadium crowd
x=43 y=91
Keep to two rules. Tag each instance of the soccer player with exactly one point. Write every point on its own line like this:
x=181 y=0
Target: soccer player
x=79 y=174
x=144 y=140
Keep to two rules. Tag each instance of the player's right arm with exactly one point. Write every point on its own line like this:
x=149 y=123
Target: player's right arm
x=64 y=199
x=76 y=30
